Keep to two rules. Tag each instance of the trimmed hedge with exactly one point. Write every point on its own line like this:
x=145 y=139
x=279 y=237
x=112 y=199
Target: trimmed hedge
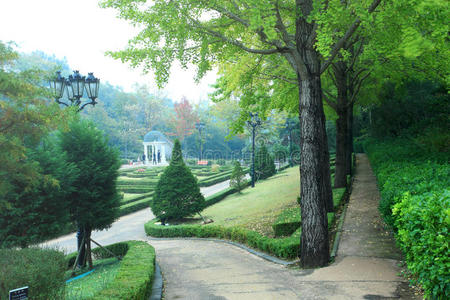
x=137 y=198
x=135 y=189
x=286 y=248
x=287 y=222
x=135 y=276
x=413 y=184
x=290 y=219
x=134 y=206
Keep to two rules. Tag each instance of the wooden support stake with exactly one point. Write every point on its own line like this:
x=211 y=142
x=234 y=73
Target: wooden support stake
x=78 y=258
x=109 y=251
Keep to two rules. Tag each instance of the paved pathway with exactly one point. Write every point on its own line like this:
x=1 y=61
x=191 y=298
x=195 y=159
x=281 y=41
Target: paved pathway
x=365 y=268
x=195 y=269
x=129 y=227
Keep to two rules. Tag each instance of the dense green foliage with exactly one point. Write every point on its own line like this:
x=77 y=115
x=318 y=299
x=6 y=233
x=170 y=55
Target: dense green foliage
x=264 y=164
x=42 y=270
x=41 y=210
x=423 y=223
x=415 y=201
x=94 y=201
x=177 y=193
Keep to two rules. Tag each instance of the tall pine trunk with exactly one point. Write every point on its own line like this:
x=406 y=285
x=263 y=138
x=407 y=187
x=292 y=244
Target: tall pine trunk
x=314 y=244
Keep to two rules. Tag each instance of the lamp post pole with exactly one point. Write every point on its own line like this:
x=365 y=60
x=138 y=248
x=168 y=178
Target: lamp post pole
x=200 y=126
x=74 y=86
x=289 y=126
x=253 y=122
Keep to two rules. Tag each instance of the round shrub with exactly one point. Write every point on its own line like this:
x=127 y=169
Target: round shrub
x=42 y=270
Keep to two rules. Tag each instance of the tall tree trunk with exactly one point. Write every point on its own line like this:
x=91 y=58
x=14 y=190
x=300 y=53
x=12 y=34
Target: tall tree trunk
x=314 y=244
x=88 y=247
x=349 y=141
x=341 y=167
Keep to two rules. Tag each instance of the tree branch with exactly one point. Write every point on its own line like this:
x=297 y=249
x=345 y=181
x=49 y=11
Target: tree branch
x=358 y=87
x=346 y=36
x=234 y=42
x=328 y=100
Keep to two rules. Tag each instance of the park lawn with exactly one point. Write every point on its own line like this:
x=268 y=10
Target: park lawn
x=257 y=208
x=84 y=288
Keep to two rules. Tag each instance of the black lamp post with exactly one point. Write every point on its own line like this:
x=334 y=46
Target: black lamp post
x=289 y=126
x=254 y=122
x=74 y=86
x=199 y=126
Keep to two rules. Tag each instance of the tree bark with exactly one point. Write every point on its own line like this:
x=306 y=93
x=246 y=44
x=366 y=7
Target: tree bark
x=342 y=163
x=88 y=247
x=349 y=143
x=314 y=244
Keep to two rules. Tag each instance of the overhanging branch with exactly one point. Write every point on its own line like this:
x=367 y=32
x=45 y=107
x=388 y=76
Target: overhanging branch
x=338 y=46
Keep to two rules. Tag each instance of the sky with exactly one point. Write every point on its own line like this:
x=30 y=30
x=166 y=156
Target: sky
x=82 y=32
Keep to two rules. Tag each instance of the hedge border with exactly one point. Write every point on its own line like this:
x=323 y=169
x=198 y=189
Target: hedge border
x=135 y=275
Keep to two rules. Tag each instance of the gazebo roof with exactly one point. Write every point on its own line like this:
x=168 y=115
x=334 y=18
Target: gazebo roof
x=156 y=136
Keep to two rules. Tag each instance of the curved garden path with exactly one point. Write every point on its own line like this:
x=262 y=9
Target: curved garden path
x=196 y=269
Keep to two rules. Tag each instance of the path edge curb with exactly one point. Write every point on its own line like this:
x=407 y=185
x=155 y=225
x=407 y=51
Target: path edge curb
x=158 y=284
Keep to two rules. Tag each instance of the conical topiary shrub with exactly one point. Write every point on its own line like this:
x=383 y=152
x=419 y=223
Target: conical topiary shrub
x=264 y=164
x=177 y=193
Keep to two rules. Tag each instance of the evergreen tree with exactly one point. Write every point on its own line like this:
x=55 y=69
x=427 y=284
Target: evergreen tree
x=177 y=193
x=237 y=179
x=39 y=210
x=264 y=164
x=95 y=201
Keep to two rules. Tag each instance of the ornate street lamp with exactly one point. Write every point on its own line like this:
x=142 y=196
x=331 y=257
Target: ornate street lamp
x=289 y=126
x=199 y=126
x=254 y=122
x=74 y=86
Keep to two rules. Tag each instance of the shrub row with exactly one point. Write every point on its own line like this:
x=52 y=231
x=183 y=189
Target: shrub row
x=287 y=222
x=216 y=179
x=415 y=201
x=42 y=270
x=146 y=182
x=135 y=206
x=135 y=189
x=135 y=276
x=290 y=219
x=137 y=198
x=283 y=247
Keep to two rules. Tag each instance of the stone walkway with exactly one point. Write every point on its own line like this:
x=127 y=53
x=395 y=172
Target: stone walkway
x=366 y=266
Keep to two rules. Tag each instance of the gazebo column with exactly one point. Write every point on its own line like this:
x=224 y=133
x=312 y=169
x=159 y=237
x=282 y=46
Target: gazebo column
x=163 y=153
x=146 y=153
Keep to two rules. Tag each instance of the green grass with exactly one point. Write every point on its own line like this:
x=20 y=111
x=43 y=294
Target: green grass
x=85 y=288
x=256 y=208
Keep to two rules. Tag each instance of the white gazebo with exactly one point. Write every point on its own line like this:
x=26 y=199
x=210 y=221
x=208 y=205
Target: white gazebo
x=158 y=147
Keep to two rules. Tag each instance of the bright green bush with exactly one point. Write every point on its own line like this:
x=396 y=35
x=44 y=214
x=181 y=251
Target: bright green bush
x=415 y=201
x=423 y=223
x=42 y=270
